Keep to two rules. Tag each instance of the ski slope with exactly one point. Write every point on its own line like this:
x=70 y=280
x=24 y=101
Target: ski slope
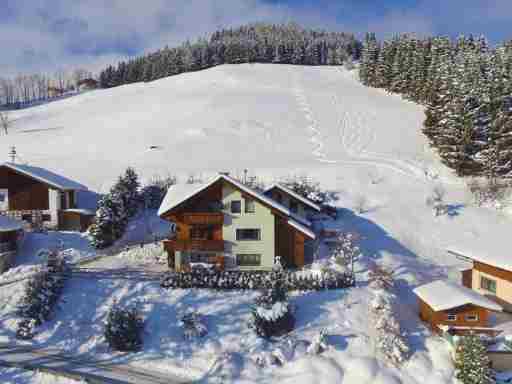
x=278 y=120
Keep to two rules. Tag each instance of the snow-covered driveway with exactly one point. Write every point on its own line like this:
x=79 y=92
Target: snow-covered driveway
x=95 y=370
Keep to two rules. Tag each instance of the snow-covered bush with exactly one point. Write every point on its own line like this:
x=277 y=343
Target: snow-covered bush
x=272 y=314
x=472 y=362
x=380 y=278
x=293 y=281
x=361 y=204
x=193 y=325
x=492 y=193
x=154 y=192
x=344 y=251
x=389 y=338
x=41 y=294
x=311 y=190
x=436 y=201
x=123 y=329
x=114 y=211
x=319 y=343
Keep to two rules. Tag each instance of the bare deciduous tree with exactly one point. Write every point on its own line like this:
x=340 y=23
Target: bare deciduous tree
x=5 y=121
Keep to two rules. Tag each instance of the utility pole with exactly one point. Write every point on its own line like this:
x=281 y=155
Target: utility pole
x=12 y=154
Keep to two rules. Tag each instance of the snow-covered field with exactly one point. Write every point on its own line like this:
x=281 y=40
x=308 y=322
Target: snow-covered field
x=275 y=120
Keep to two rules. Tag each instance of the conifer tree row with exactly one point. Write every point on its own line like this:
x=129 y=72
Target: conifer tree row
x=254 y=43
x=466 y=87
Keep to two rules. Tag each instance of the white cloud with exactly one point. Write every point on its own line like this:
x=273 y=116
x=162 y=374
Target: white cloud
x=43 y=35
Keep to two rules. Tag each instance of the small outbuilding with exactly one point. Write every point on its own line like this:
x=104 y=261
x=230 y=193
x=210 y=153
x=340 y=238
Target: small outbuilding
x=11 y=236
x=447 y=306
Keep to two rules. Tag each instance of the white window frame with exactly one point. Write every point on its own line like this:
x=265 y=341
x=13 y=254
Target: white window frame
x=482 y=287
x=472 y=317
x=451 y=317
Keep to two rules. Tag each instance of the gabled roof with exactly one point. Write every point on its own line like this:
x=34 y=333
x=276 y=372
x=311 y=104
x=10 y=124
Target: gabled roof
x=442 y=295
x=177 y=194
x=294 y=194
x=496 y=253
x=7 y=224
x=45 y=176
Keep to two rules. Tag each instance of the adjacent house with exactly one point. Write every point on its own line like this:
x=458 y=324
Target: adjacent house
x=292 y=200
x=447 y=306
x=40 y=197
x=55 y=92
x=490 y=272
x=225 y=223
x=11 y=236
x=87 y=84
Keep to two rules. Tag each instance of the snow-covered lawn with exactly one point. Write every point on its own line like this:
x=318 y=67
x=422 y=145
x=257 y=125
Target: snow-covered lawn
x=20 y=376
x=359 y=142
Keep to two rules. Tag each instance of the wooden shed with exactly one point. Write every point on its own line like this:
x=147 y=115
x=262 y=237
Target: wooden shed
x=449 y=306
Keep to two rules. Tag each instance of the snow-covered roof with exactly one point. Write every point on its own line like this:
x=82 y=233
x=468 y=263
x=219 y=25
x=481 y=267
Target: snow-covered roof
x=294 y=194
x=441 y=295
x=81 y=211
x=496 y=253
x=45 y=176
x=179 y=193
x=7 y=224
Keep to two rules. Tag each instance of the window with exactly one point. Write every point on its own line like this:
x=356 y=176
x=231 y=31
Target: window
x=294 y=207
x=488 y=284
x=279 y=198
x=236 y=206
x=200 y=258
x=2 y=197
x=451 y=317
x=200 y=232
x=248 y=260
x=47 y=217
x=248 y=234
x=249 y=206
x=472 y=317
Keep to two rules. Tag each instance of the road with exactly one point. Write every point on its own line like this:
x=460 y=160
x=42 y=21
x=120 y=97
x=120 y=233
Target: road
x=94 y=371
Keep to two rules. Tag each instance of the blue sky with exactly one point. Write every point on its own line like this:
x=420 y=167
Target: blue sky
x=45 y=35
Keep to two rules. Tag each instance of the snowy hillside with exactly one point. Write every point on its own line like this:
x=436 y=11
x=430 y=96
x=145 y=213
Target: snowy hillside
x=274 y=120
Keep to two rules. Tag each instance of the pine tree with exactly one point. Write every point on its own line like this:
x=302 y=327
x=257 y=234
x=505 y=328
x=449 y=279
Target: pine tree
x=472 y=362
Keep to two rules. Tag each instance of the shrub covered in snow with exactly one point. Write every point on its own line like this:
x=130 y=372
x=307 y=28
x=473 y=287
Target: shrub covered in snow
x=154 y=191
x=319 y=343
x=389 y=338
x=308 y=188
x=272 y=314
x=193 y=325
x=208 y=278
x=491 y=193
x=381 y=278
x=436 y=201
x=41 y=294
x=123 y=329
x=344 y=251
x=472 y=362
x=114 y=211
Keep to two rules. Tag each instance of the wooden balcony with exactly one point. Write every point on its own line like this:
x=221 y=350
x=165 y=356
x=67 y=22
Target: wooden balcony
x=194 y=245
x=204 y=218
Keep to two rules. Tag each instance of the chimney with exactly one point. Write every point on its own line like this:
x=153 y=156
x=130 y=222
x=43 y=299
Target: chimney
x=224 y=173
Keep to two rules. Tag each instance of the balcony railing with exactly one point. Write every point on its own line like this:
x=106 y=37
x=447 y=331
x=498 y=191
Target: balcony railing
x=204 y=218
x=194 y=245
